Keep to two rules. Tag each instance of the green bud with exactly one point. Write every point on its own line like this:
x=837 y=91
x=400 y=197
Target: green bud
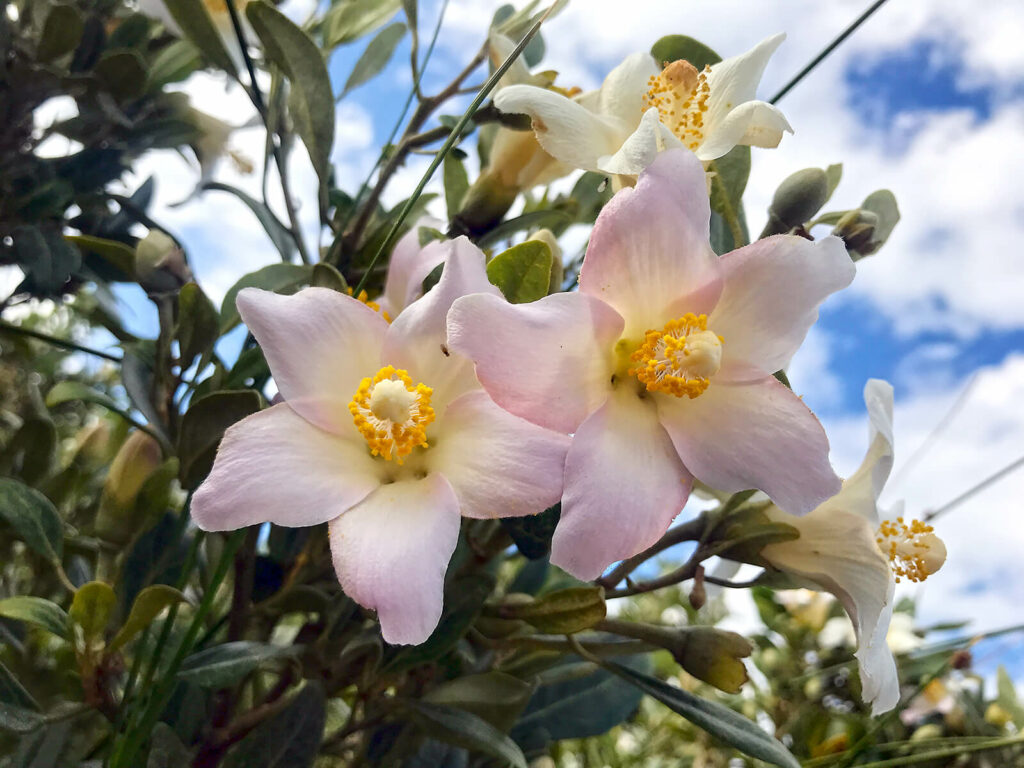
x=713 y=655
x=796 y=201
x=160 y=263
x=926 y=732
x=857 y=230
x=137 y=459
x=485 y=205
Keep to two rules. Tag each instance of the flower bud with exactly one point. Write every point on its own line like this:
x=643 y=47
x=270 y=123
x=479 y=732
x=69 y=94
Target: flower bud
x=857 y=230
x=927 y=732
x=713 y=655
x=796 y=200
x=137 y=459
x=997 y=716
x=160 y=263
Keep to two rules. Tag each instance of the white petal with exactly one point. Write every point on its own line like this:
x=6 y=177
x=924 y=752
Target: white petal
x=276 y=467
x=566 y=130
x=319 y=344
x=498 y=464
x=861 y=490
x=392 y=550
x=642 y=146
x=734 y=81
x=753 y=124
x=622 y=92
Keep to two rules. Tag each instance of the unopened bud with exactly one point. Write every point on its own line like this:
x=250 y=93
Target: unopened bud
x=160 y=263
x=137 y=459
x=698 y=592
x=547 y=237
x=927 y=732
x=997 y=716
x=796 y=200
x=713 y=655
x=857 y=229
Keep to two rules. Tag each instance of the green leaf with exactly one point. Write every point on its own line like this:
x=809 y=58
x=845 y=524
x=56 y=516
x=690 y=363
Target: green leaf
x=674 y=47
x=550 y=219
x=728 y=183
x=30 y=454
x=349 y=19
x=115 y=253
x=224 y=665
x=717 y=719
x=409 y=6
x=278 y=233
x=167 y=751
x=882 y=203
x=464 y=729
x=46 y=257
x=456 y=184
x=311 y=99
x=523 y=272
x=195 y=23
x=562 y=612
x=279 y=278
x=33 y=517
x=66 y=391
x=62 y=32
x=327 y=276
x=17 y=720
x=198 y=325
x=289 y=739
x=375 y=57
x=202 y=427
x=1007 y=697
x=91 y=609
x=834 y=174
x=493 y=696
x=123 y=72
x=532 y=533
x=173 y=63
x=147 y=606
x=36 y=610
x=13 y=692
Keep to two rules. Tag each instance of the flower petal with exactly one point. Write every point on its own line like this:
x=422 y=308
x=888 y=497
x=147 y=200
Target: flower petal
x=643 y=145
x=392 y=550
x=416 y=340
x=837 y=550
x=409 y=266
x=498 y=464
x=319 y=344
x=756 y=434
x=753 y=124
x=622 y=92
x=565 y=129
x=624 y=484
x=548 y=361
x=276 y=467
x=861 y=490
x=649 y=248
x=734 y=81
x=770 y=298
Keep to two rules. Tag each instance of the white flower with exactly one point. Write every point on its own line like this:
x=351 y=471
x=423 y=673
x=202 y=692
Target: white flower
x=640 y=111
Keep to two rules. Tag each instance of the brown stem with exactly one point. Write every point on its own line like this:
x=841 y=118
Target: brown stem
x=684 y=572
x=691 y=530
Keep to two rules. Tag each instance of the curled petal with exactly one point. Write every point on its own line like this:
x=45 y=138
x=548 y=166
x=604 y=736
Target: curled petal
x=624 y=484
x=391 y=552
x=756 y=434
x=649 y=250
x=734 y=81
x=547 y=361
x=641 y=147
x=498 y=464
x=861 y=490
x=319 y=344
x=770 y=297
x=276 y=467
x=565 y=129
x=753 y=124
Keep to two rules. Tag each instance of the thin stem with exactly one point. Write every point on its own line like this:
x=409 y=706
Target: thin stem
x=990 y=480
x=730 y=584
x=54 y=341
x=827 y=50
x=692 y=530
x=684 y=572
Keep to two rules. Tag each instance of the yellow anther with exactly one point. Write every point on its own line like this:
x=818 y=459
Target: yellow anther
x=680 y=359
x=392 y=413
x=680 y=93
x=914 y=551
x=364 y=297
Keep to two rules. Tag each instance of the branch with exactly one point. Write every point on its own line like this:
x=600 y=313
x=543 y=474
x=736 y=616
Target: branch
x=692 y=530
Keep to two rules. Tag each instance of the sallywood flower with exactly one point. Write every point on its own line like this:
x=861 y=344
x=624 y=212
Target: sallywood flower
x=661 y=366
x=845 y=549
x=384 y=434
x=640 y=111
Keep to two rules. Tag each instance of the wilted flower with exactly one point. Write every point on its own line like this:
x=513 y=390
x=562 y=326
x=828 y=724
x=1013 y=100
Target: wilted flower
x=845 y=549
x=661 y=366
x=640 y=111
x=384 y=434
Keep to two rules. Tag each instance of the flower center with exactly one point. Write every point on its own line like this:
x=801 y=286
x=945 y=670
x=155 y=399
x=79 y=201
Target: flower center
x=364 y=298
x=914 y=551
x=679 y=359
x=392 y=413
x=680 y=93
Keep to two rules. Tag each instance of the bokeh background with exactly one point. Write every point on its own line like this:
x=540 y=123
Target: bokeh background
x=926 y=99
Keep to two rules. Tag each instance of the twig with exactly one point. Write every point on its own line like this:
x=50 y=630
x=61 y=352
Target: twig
x=692 y=530
x=54 y=341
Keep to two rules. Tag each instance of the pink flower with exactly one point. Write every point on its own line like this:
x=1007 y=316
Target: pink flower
x=385 y=435
x=660 y=366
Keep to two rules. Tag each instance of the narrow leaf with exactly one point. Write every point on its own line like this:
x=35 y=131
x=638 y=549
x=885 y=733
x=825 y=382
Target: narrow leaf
x=347 y=21
x=464 y=729
x=289 y=739
x=375 y=57
x=91 y=608
x=456 y=184
x=194 y=20
x=226 y=664
x=198 y=324
x=278 y=233
x=203 y=426
x=33 y=518
x=36 y=610
x=147 y=606
x=279 y=278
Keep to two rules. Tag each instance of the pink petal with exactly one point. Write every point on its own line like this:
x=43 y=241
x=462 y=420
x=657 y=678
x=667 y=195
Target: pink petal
x=274 y=466
x=649 y=248
x=757 y=434
x=624 y=484
x=409 y=266
x=391 y=552
x=548 y=361
x=498 y=464
x=770 y=298
x=320 y=344
x=416 y=340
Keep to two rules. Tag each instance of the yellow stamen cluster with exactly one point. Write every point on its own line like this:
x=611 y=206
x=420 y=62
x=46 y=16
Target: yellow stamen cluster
x=392 y=413
x=914 y=551
x=364 y=297
x=680 y=93
x=680 y=358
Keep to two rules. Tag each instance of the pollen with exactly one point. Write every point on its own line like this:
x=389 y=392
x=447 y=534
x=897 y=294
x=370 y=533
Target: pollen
x=680 y=359
x=914 y=551
x=392 y=413
x=364 y=298
x=680 y=93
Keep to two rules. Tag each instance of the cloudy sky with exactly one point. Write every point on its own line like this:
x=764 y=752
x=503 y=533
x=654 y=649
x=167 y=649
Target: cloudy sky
x=926 y=99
